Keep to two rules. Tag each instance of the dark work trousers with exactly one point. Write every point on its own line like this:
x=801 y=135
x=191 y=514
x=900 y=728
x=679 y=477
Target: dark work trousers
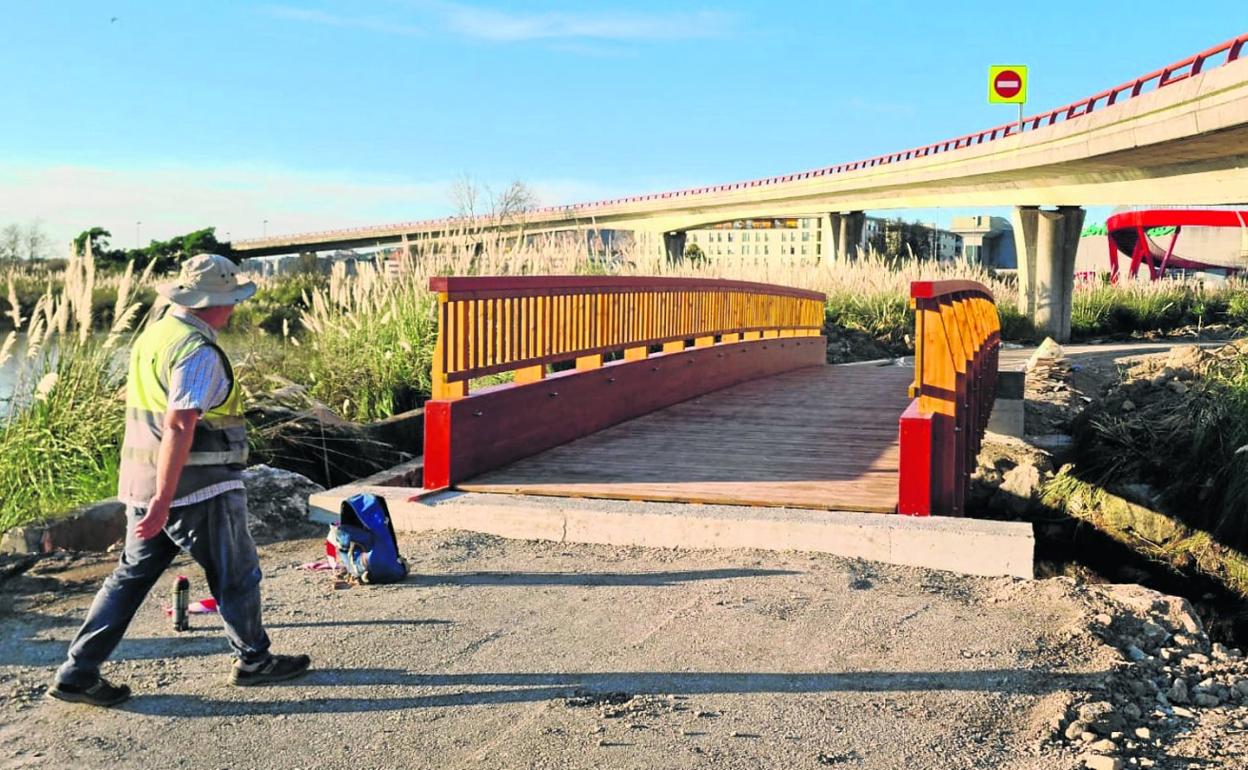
x=215 y=534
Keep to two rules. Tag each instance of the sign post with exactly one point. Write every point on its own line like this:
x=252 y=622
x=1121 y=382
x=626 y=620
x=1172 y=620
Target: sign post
x=1007 y=84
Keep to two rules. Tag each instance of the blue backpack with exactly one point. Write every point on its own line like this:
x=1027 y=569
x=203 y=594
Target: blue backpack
x=364 y=539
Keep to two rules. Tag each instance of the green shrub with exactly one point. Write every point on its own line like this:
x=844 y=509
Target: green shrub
x=59 y=446
x=1193 y=449
x=1237 y=308
x=1161 y=306
x=370 y=344
x=887 y=317
x=1015 y=326
x=278 y=305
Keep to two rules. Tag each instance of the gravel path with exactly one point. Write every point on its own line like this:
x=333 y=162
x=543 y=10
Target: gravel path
x=512 y=654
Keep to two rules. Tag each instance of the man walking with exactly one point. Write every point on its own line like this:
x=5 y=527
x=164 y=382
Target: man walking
x=181 y=480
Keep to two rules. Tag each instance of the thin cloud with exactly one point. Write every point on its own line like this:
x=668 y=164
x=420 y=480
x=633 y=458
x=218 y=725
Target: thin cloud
x=174 y=199
x=502 y=26
x=510 y=27
x=372 y=23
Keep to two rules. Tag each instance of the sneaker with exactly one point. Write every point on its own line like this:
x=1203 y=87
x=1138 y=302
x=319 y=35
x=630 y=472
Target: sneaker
x=99 y=693
x=276 y=669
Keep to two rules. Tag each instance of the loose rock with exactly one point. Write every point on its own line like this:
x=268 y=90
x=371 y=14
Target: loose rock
x=1097 y=762
x=1104 y=746
x=277 y=503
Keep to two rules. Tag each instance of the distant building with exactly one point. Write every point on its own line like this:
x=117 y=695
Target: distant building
x=393 y=264
x=267 y=267
x=987 y=241
x=797 y=238
x=791 y=237
x=350 y=261
x=949 y=245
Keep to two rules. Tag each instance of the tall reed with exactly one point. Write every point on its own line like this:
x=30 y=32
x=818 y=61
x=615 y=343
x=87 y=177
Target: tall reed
x=60 y=436
x=370 y=342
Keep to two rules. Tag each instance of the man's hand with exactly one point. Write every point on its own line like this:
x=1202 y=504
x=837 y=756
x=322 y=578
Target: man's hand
x=154 y=520
x=175 y=444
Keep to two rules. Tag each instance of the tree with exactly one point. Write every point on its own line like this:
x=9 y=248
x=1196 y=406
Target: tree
x=28 y=243
x=508 y=206
x=512 y=204
x=167 y=254
x=308 y=264
x=465 y=196
x=98 y=238
x=694 y=253
x=36 y=241
x=898 y=239
x=10 y=243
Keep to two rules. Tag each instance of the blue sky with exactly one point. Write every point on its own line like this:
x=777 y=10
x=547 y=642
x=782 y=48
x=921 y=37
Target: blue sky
x=315 y=115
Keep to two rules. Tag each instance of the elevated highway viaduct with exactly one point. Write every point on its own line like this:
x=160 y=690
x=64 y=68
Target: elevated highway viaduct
x=1175 y=136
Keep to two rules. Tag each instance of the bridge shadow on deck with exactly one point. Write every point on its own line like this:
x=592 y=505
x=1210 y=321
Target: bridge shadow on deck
x=823 y=437
x=589 y=579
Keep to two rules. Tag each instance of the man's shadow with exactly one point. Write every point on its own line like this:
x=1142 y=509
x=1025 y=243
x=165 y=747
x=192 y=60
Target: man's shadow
x=521 y=687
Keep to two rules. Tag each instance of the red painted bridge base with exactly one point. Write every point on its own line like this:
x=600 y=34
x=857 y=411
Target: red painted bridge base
x=493 y=427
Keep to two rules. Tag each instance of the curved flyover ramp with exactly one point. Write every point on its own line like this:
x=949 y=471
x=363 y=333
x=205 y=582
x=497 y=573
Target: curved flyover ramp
x=1178 y=238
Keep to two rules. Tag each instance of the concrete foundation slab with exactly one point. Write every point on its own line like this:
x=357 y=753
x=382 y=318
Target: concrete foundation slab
x=967 y=546
x=1008 y=413
x=1008 y=417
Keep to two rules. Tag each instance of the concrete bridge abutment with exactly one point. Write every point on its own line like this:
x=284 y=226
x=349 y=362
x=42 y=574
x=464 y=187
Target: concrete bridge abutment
x=1046 y=242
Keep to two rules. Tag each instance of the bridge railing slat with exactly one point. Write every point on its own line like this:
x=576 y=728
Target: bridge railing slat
x=957 y=341
x=523 y=324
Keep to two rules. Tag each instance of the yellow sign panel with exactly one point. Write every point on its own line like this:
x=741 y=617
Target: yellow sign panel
x=1007 y=84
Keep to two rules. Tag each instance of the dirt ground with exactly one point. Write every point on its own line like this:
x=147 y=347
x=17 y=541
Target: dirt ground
x=1056 y=397
x=513 y=654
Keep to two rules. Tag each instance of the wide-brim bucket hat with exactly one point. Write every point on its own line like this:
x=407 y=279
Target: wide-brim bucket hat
x=207 y=280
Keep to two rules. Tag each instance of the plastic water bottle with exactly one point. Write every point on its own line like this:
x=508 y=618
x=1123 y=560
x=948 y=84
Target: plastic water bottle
x=181 y=603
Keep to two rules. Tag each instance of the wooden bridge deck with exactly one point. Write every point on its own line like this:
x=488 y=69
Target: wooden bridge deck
x=822 y=437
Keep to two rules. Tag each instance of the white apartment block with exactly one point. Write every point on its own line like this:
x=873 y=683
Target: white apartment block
x=793 y=239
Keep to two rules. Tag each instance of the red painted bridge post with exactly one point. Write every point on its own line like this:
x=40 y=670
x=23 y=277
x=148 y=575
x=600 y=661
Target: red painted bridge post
x=957 y=339
x=914 y=497
x=437 y=447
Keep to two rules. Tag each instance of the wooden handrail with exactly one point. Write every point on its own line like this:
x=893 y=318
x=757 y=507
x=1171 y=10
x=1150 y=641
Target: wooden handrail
x=488 y=325
x=957 y=341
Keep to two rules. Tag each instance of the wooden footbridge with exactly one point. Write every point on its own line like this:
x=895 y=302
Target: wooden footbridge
x=702 y=391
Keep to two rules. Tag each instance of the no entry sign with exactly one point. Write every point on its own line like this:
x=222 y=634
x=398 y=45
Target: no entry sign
x=1007 y=84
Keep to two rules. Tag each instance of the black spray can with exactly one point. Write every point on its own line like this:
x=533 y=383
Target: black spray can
x=181 y=603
